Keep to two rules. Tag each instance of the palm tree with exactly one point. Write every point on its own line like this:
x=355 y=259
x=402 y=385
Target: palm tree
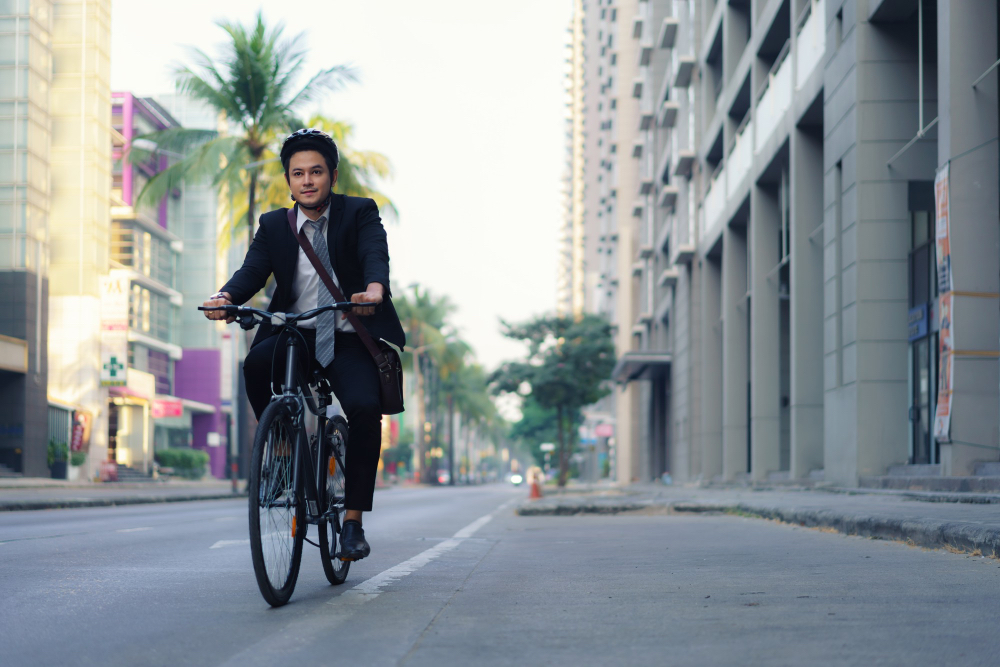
x=252 y=85
x=424 y=319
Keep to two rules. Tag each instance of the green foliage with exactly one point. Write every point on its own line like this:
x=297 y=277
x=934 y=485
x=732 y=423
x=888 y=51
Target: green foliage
x=401 y=453
x=568 y=365
x=184 y=461
x=77 y=458
x=538 y=425
x=568 y=361
x=57 y=451
x=450 y=382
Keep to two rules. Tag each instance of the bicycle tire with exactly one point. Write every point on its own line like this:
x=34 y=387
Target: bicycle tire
x=334 y=568
x=277 y=549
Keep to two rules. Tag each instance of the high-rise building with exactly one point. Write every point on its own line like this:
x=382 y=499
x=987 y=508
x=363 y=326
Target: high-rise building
x=79 y=215
x=798 y=213
x=27 y=30
x=571 y=278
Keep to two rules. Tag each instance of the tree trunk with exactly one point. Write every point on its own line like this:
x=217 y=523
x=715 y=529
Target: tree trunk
x=418 y=434
x=451 y=440
x=563 y=459
x=252 y=196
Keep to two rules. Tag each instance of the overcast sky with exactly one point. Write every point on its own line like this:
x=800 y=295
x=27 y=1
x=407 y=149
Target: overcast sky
x=466 y=99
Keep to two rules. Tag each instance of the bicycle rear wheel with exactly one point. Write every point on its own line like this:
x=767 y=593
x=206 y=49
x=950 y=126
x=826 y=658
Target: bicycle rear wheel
x=332 y=479
x=277 y=513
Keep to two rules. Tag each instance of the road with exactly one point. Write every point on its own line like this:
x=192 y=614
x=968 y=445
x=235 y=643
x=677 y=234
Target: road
x=172 y=584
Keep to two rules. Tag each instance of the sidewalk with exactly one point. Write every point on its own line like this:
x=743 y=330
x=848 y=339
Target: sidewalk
x=36 y=493
x=968 y=523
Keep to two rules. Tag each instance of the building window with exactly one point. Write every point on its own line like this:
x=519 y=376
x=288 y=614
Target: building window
x=922 y=294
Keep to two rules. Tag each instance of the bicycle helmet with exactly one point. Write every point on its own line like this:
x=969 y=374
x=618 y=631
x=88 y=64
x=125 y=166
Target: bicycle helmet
x=310 y=139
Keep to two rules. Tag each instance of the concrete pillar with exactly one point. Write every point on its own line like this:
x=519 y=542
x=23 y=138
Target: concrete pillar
x=967 y=143
x=711 y=368
x=694 y=364
x=734 y=353
x=765 y=332
x=806 y=295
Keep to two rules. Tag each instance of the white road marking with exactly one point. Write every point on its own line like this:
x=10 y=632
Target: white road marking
x=228 y=543
x=371 y=588
x=133 y=530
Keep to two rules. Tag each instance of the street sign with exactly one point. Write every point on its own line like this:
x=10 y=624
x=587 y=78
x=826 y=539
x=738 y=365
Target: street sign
x=167 y=407
x=114 y=328
x=548 y=447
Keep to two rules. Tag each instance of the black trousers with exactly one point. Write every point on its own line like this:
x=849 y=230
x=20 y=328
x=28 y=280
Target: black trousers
x=354 y=377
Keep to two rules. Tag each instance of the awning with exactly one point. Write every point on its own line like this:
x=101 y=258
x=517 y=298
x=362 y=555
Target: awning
x=640 y=366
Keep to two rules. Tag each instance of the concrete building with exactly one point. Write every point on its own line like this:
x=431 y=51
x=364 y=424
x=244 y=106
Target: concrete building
x=799 y=215
x=26 y=73
x=207 y=372
x=571 y=281
x=168 y=255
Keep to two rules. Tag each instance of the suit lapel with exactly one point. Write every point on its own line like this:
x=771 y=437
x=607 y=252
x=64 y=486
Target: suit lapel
x=333 y=226
x=290 y=259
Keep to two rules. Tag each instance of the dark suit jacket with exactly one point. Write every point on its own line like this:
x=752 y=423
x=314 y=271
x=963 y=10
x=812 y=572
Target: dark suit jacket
x=359 y=255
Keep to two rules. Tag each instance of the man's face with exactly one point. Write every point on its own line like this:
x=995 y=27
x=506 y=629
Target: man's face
x=309 y=178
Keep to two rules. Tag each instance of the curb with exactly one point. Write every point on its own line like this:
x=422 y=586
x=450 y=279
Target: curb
x=71 y=503
x=967 y=537
x=929 y=533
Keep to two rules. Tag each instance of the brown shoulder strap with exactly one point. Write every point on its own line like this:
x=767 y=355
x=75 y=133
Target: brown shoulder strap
x=359 y=328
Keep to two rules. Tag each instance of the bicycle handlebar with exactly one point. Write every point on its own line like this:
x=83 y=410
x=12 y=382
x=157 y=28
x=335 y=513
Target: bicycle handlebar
x=248 y=316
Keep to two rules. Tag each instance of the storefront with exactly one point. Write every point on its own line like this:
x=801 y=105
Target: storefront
x=130 y=421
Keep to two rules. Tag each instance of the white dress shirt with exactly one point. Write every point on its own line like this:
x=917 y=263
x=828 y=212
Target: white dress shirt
x=305 y=289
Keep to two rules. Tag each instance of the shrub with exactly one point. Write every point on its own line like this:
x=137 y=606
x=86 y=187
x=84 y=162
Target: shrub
x=77 y=458
x=58 y=451
x=184 y=461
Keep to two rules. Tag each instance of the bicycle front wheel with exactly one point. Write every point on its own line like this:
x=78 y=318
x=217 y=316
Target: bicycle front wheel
x=332 y=481
x=277 y=513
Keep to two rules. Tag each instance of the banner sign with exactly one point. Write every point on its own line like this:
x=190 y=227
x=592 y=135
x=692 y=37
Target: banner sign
x=942 y=230
x=114 y=328
x=80 y=437
x=917 y=325
x=604 y=430
x=167 y=407
x=942 y=416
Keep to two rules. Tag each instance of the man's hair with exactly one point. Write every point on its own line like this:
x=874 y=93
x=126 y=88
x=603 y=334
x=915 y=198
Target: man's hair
x=325 y=147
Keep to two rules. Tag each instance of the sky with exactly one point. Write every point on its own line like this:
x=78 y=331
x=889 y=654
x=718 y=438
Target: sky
x=466 y=99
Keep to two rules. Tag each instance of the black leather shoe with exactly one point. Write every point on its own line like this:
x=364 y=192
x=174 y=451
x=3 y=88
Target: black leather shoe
x=353 y=545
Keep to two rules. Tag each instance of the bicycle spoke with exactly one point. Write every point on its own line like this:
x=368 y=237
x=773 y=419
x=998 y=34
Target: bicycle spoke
x=277 y=510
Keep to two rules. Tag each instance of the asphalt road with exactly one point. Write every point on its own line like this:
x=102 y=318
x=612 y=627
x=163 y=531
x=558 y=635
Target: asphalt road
x=456 y=578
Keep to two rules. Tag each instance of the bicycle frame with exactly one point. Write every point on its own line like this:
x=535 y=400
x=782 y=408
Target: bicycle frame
x=296 y=393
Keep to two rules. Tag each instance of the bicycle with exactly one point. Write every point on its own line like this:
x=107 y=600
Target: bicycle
x=295 y=481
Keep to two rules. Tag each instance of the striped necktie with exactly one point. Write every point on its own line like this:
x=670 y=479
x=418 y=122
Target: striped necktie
x=326 y=324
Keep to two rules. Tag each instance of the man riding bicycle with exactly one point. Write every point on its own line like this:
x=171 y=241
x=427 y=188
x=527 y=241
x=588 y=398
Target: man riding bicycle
x=347 y=234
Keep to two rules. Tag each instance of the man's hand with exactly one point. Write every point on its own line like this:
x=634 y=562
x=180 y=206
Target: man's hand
x=219 y=314
x=373 y=294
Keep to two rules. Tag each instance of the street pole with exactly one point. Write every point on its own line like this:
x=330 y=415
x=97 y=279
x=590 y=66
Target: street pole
x=451 y=441
x=418 y=420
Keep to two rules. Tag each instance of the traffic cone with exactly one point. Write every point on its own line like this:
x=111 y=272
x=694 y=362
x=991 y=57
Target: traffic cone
x=536 y=489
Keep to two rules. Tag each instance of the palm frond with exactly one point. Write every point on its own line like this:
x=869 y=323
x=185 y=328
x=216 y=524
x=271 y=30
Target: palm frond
x=328 y=80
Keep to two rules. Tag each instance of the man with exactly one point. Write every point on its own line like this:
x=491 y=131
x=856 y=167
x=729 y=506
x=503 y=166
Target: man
x=348 y=232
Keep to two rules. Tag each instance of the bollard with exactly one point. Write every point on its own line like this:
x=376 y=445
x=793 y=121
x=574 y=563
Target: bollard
x=534 y=482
